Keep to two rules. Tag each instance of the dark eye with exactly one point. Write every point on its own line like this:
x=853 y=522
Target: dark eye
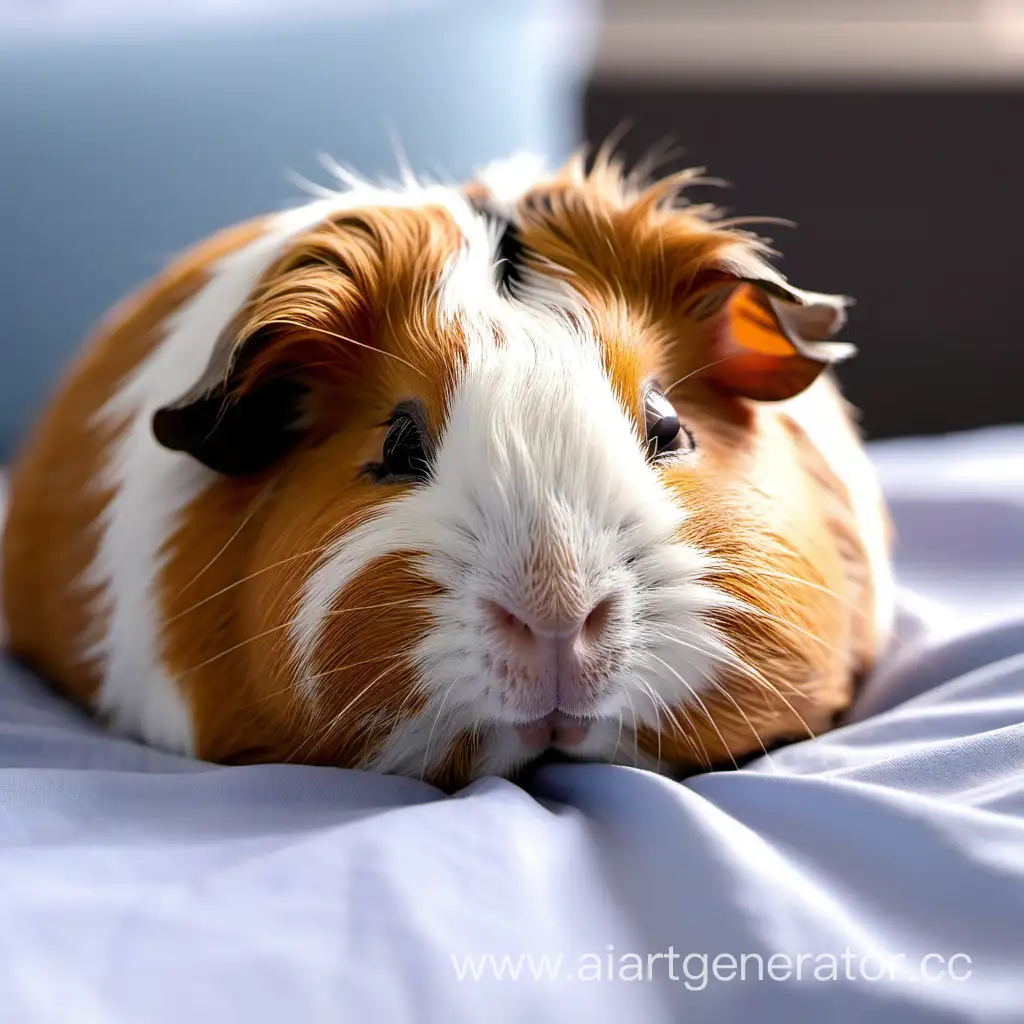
x=664 y=431
x=404 y=455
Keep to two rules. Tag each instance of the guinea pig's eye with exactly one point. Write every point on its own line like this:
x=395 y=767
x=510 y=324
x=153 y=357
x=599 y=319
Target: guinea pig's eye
x=665 y=433
x=404 y=455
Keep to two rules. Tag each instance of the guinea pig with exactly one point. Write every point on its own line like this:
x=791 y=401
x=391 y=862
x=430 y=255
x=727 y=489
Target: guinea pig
x=431 y=480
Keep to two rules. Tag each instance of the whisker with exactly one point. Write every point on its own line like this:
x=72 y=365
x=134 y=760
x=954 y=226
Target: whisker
x=257 y=502
x=430 y=735
x=267 y=696
x=245 y=579
x=636 y=740
x=701 y=752
x=725 y=654
x=323 y=735
x=343 y=525
x=695 y=742
x=703 y=706
x=700 y=369
x=399 y=603
x=235 y=647
x=751 y=672
x=753 y=571
x=677 y=726
x=390 y=666
x=288 y=624
x=649 y=690
x=789 y=624
x=732 y=700
x=350 y=609
x=396 y=718
x=776 y=692
x=352 y=341
x=352 y=664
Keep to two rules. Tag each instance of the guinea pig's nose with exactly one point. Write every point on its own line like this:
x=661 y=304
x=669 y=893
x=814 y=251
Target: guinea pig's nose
x=548 y=653
x=527 y=633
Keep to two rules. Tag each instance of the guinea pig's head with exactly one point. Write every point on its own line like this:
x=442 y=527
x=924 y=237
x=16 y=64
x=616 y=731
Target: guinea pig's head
x=505 y=472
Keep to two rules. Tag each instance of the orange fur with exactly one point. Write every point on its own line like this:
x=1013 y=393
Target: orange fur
x=358 y=282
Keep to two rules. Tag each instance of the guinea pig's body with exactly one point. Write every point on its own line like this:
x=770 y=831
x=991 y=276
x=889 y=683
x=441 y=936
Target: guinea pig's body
x=430 y=480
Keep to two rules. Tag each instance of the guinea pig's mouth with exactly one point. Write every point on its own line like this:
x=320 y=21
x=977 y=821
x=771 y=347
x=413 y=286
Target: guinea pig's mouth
x=554 y=730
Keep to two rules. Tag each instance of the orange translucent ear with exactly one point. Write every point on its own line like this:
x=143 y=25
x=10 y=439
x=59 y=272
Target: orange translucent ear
x=769 y=342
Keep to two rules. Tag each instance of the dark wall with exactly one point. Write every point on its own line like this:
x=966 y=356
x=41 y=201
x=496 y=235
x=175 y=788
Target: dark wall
x=911 y=202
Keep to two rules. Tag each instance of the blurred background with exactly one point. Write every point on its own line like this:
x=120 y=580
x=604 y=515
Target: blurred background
x=891 y=131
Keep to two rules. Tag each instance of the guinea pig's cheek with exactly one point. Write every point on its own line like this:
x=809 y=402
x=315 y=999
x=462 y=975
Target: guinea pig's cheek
x=363 y=678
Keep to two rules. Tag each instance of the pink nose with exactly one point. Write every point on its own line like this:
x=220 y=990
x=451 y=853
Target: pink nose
x=544 y=663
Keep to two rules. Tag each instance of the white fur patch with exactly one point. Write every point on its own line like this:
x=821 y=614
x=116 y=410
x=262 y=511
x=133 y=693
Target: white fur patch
x=509 y=179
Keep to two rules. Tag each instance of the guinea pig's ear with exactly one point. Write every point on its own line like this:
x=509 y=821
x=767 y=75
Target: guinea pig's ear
x=767 y=340
x=234 y=420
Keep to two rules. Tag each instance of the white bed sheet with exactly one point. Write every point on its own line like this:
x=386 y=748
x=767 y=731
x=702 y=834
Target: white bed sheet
x=140 y=887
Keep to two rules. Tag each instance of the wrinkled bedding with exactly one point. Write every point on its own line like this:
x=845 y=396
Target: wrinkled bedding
x=889 y=854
